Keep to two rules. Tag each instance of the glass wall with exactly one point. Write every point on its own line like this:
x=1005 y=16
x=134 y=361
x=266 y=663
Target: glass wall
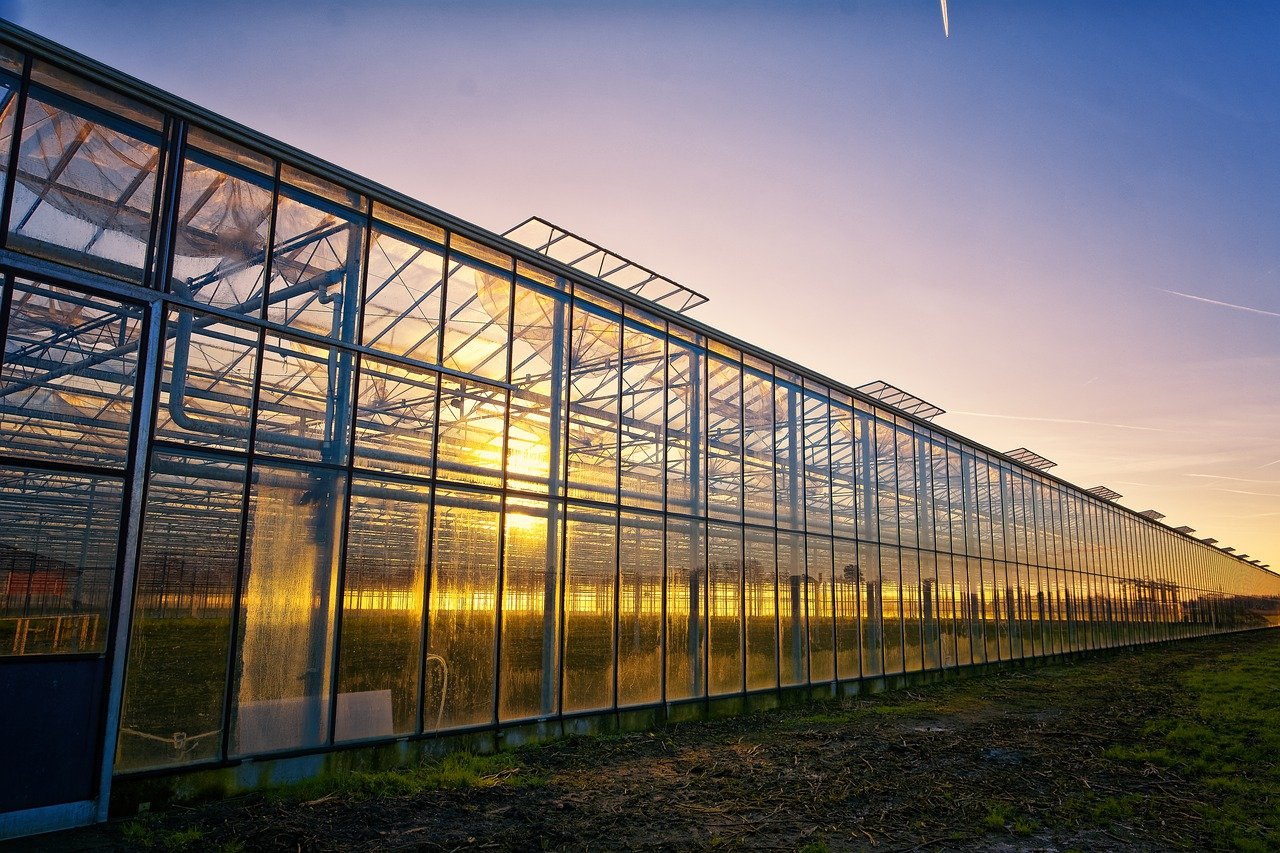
x=400 y=480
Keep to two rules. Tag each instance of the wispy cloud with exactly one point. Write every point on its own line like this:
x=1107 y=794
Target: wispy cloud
x=1243 y=492
x=1058 y=421
x=1261 y=311
x=1235 y=479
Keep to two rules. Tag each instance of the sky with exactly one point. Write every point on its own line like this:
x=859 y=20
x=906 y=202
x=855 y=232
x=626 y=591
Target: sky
x=1061 y=224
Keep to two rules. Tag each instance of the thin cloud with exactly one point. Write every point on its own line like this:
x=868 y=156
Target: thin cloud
x=1059 y=421
x=1243 y=492
x=1220 y=304
x=1236 y=479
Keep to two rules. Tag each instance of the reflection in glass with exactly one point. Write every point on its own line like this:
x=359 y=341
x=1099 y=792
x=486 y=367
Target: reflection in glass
x=590 y=578
x=530 y=610
x=686 y=607
x=388 y=531
x=464 y=592
x=639 y=609
x=724 y=611
x=760 y=575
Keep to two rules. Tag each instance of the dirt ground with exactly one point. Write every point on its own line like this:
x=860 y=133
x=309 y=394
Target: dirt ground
x=1097 y=755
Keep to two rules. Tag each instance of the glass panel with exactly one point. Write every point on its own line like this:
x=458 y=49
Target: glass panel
x=588 y=619
x=402 y=296
x=893 y=609
x=320 y=187
x=282 y=678
x=70 y=363
x=848 y=592
x=469 y=447
x=788 y=457
x=686 y=607
x=395 y=417
x=886 y=470
x=817 y=465
x=593 y=405
x=315 y=268
x=912 y=609
x=539 y=370
x=761 y=599
x=872 y=605
x=220 y=244
x=177 y=673
x=820 y=597
x=531 y=610
x=207 y=390
x=639 y=609
x=930 y=608
x=477 y=313
x=464 y=597
x=44 y=74
x=725 y=608
x=85 y=190
x=381 y=643
x=643 y=396
x=844 y=484
x=686 y=424
x=198 y=137
x=304 y=401
x=792 y=628
x=947 y=598
x=58 y=533
x=724 y=440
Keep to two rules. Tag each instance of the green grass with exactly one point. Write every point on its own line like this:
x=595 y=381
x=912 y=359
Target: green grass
x=1225 y=738
x=455 y=771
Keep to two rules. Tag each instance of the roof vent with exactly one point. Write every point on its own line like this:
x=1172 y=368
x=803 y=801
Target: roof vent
x=596 y=261
x=1030 y=459
x=895 y=397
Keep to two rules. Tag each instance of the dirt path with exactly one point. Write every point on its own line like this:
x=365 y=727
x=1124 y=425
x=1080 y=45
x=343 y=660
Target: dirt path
x=1056 y=758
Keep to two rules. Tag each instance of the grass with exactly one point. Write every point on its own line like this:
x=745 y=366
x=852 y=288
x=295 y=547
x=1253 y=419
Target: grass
x=454 y=771
x=1224 y=738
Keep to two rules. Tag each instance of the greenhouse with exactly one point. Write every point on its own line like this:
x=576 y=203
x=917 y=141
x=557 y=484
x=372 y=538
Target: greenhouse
x=298 y=471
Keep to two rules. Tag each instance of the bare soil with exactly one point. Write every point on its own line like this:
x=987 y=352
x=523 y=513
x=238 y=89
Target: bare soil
x=1052 y=758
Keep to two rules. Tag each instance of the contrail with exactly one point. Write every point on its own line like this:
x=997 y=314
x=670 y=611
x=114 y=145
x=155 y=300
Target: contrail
x=1235 y=479
x=1221 y=304
x=1059 y=421
x=946 y=28
x=1243 y=492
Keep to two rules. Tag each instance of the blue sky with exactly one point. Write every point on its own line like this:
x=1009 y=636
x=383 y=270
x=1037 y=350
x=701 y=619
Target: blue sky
x=1020 y=223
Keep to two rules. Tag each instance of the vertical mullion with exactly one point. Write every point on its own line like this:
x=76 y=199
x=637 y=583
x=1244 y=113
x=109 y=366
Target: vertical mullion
x=237 y=596
x=129 y=544
x=15 y=149
x=348 y=467
x=500 y=581
x=429 y=580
